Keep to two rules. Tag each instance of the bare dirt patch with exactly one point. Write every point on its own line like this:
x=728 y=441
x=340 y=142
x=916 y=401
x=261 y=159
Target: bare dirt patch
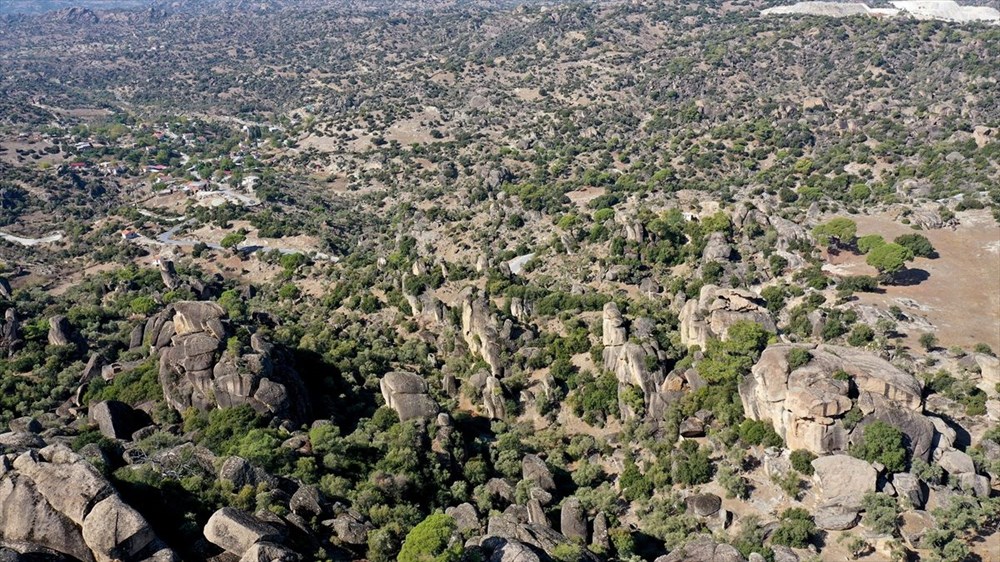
x=961 y=292
x=581 y=197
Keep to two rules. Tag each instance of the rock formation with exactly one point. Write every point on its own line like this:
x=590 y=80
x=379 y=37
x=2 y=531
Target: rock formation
x=117 y=420
x=59 y=331
x=716 y=309
x=406 y=393
x=630 y=362
x=479 y=330
x=237 y=531
x=55 y=499
x=196 y=372
x=10 y=333
x=806 y=404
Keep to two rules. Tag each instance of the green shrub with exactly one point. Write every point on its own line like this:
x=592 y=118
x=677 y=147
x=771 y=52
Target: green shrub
x=795 y=528
x=882 y=443
x=757 y=432
x=881 y=513
x=798 y=357
x=802 y=461
x=431 y=541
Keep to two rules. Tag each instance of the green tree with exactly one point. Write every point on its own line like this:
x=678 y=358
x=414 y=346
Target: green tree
x=882 y=443
x=928 y=341
x=889 y=259
x=839 y=231
x=432 y=541
x=916 y=243
x=870 y=242
x=232 y=240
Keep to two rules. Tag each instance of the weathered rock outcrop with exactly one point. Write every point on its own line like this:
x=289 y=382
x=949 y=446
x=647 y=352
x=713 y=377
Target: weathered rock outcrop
x=495 y=399
x=716 y=309
x=196 y=372
x=632 y=363
x=406 y=393
x=237 y=531
x=717 y=248
x=806 y=404
x=703 y=549
x=541 y=537
x=10 y=333
x=479 y=330
x=60 y=332
x=54 y=498
x=117 y=420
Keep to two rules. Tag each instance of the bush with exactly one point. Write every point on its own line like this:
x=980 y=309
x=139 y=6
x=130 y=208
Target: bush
x=928 y=341
x=802 y=461
x=634 y=484
x=756 y=432
x=798 y=357
x=881 y=513
x=692 y=465
x=861 y=335
x=431 y=541
x=795 y=528
x=882 y=443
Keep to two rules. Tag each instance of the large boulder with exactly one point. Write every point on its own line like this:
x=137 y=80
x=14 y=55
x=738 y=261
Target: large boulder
x=195 y=371
x=114 y=531
x=60 y=332
x=573 y=521
x=717 y=248
x=703 y=505
x=716 y=309
x=806 y=404
x=406 y=393
x=117 y=420
x=10 y=333
x=55 y=499
x=843 y=479
x=495 y=398
x=236 y=531
x=506 y=550
x=628 y=360
x=534 y=470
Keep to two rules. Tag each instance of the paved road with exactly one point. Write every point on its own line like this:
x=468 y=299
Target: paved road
x=54 y=237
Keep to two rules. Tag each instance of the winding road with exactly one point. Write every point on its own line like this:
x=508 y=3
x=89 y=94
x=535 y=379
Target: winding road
x=54 y=237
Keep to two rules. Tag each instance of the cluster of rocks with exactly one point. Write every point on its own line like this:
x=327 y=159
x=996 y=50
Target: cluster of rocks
x=526 y=532
x=806 y=404
x=196 y=370
x=173 y=281
x=716 y=309
x=52 y=501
